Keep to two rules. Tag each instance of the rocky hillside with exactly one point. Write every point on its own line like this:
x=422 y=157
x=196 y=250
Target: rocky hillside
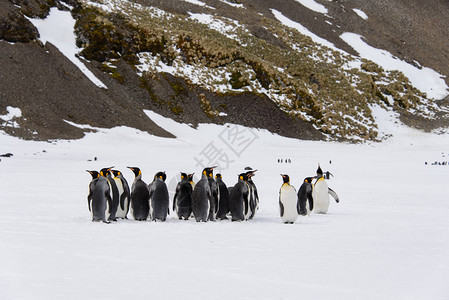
x=224 y=61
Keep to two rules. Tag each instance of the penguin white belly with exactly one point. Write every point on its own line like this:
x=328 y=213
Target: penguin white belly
x=121 y=213
x=320 y=196
x=151 y=209
x=289 y=200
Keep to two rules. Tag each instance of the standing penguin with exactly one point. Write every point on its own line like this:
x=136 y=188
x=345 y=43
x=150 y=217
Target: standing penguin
x=253 y=195
x=238 y=199
x=201 y=198
x=288 y=201
x=124 y=195
x=159 y=201
x=321 y=193
x=215 y=192
x=223 y=204
x=92 y=184
x=101 y=198
x=140 y=196
x=305 y=199
x=182 y=202
x=114 y=196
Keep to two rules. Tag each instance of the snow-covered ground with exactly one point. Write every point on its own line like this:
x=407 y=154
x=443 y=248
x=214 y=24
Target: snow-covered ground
x=388 y=238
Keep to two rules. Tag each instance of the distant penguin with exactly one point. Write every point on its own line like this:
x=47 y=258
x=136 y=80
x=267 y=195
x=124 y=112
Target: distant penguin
x=253 y=195
x=114 y=195
x=182 y=202
x=124 y=194
x=159 y=201
x=238 y=199
x=140 y=196
x=92 y=184
x=321 y=193
x=223 y=204
x=305 y=199
x=215 y=192
x=288 y=201
x=101 y=198
x=201 y=198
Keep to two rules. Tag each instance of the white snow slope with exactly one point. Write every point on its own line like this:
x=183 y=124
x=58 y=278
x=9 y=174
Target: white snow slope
x=388 y=238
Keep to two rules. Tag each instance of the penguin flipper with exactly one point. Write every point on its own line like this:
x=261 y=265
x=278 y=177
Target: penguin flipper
x=175 y=198
x=122 y=201
x=309 y=196
x=334 y=195
x=281 y=206
x=89 y=199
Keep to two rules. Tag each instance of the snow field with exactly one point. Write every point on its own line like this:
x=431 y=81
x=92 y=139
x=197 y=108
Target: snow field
x=387 y=238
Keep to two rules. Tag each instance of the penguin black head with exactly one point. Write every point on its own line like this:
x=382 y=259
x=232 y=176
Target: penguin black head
x=319 y=172
x=184 y=175
x=286 y=178
x=116 y=172
x=190 y=177
x=248 y=168
x=160 y=175
x=135 y=170
x=94 y=174
x=308 y=179
x=243 y=176
x=209 y=172
x=105 y=171
x=218 y=176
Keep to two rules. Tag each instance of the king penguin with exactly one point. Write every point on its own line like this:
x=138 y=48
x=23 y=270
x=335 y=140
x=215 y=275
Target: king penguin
x=159 y=201
x=238 y=199
x=223 y=204
x=123 y=191
x=92 y=184
x=288 y=201
x=182 y=202
x=215 y=192
x=305 y=199
x=101 y=198
x=201 y=198
x=321 y=193
x=140 y=196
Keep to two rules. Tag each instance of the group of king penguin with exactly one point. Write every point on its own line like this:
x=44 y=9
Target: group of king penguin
x=310 y=197
x=110 y=197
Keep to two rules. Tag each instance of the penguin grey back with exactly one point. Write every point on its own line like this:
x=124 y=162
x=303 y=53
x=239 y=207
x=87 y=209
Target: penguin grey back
x=223 y=204
x=201 y=198
x=159 y=200
x=304 y=196
x=140 y=196
x=182 y=201
x=101 y=199
x=238 y=199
